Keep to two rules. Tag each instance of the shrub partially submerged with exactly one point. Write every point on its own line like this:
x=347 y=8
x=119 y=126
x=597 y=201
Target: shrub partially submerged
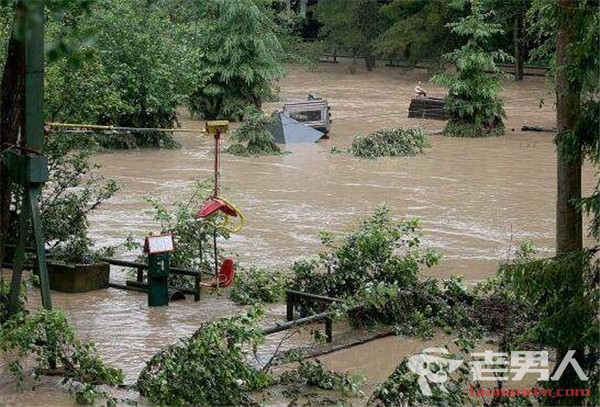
x=209 y=368
x=190 y=235
x=259 y=285
x=395 y=142
x=254 y=137
x=73 y=192
x=413 y=310
x=458 y=128
x=51 y=339
x=380 y=249
x=133 y=140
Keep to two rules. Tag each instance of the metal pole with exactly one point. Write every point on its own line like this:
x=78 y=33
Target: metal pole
x=34 y=74
x=34 y=124
x=216 y=257
x=217 y=162
x=32 y=143
x=34 y=195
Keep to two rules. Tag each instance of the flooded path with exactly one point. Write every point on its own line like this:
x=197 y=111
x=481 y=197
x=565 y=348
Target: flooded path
x=473 y=196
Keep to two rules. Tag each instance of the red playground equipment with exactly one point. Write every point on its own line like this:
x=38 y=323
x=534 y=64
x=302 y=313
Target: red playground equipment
x=226 y=276
x=217 y=212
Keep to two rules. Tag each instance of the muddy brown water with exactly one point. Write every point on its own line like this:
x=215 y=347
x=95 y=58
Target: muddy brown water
x=474 y=197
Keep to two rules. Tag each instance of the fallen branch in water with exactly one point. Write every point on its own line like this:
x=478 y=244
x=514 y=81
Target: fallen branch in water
x=538 y=129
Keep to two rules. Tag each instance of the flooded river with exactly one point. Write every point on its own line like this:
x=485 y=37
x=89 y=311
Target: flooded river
x=474 y=197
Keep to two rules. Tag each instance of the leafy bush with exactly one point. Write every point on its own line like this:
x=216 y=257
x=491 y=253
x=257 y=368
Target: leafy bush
x=380 y=249
x=395 y=142
x=210 y=368
x=5 y=299
x=254 y=137
x=51 y=339
x=190 y=234
x=460 y=128
x=71 y=194
x=259 y=285
x=564 y=293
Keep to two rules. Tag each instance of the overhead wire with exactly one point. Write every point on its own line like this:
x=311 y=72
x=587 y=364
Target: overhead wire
x=90 y=128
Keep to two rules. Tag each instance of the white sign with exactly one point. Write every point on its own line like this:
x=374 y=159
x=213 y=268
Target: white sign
x=159 y=244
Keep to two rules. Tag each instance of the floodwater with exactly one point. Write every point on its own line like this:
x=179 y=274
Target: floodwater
x=475 y=198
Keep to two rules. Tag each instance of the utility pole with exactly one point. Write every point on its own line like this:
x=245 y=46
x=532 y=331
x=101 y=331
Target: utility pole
x=26 y=164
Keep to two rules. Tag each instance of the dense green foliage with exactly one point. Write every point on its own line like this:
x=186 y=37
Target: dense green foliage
x=132 y=64
x=565 y=294
x=417 y=29
x=583 y=141
x=412 y=310
x=209 y=368
x=4 y=299
x=473 y=100
x=396 y=142
x=350 y=24
x=254 y=137
x=128 y=73
x=379 y=249
x=73 y=192
x=51 y=339
x=259 y=285
x=236 y=54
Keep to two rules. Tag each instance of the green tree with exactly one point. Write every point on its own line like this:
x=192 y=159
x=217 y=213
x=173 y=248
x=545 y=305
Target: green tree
x=351 y=24
x=566 y=288
x=129 y=73
x=418 y=29
x=511 y=14
x=476 y=109
x=572 y=54
x=236 y=53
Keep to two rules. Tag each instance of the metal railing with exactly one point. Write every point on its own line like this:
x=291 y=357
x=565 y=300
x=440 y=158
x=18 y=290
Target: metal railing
x=139 y=285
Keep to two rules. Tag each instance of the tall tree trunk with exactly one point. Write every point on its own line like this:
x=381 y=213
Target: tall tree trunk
x=519 y=43
x=569 y=227
x=11 y=97
x=569 y=222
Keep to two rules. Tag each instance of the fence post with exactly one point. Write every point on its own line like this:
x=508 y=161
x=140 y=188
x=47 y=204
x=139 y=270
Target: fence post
x=289 y=300
x=197 y=286
x=329 y=329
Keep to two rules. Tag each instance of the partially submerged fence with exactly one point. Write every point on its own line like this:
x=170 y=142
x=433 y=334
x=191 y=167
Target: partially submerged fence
x=291 y=298
x=139 y=285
